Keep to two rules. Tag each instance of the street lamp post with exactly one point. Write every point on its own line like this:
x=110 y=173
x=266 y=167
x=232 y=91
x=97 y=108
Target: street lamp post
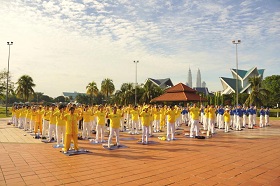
x=236 y=42
x=9 y=44
x=135 y=81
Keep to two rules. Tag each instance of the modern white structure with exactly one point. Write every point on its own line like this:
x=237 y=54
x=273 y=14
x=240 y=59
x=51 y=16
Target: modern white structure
x=242 y=76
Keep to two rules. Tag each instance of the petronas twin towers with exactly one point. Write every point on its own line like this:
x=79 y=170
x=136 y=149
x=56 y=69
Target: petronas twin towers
x=198 y=80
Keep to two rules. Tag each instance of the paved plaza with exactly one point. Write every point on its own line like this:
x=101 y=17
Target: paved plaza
x=248 y=157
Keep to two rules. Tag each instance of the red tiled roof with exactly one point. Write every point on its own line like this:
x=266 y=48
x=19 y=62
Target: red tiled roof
x=180 y=88
x=179 y=92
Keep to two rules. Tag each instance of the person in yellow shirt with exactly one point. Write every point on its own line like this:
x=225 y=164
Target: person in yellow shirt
x=206 y=117
x=194 y=111
x=227 y=119
x=86 y=114
x=171 y=117
x=114 y=125
x=27 y=118
x=162 y=118
x=100 y=127
x=38 y=121
x=156 y=118
x=60 y=125
x=134 y=120
x=52 y=126
x=46 y=121
x=211 y=120
x=71 y=133
x=145 y=121
x=33 y=118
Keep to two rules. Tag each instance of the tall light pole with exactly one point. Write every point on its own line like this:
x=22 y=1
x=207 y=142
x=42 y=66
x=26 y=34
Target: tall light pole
x=9 y=44
x=236 y=42
x=135 y=81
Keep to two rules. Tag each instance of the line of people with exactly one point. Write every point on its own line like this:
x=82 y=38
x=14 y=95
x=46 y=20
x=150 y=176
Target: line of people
x=149 y=119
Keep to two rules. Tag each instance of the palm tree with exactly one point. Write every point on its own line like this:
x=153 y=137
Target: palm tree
x=150 y=91
x=127 y=95
x=258 y=94
x=92 y=90
x=25 y=87
x=107 y=87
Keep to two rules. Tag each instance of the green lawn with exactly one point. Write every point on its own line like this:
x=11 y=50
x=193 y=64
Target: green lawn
x=3 y=112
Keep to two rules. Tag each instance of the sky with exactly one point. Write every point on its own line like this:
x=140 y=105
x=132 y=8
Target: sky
x=66 y=44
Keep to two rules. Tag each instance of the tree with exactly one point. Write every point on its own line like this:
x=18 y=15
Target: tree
x=82 y=98
x=150 y=91
x=272 y=83
x=258 y=94
x=25 y=88
x=92 y=91
x=107 y=87
x=60 y=99
x=3 y=85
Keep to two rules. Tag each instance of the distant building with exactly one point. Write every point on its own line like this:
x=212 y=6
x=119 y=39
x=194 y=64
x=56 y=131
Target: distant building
x=71 y=95
x=189 y=82
x=243 y=76
x=203 y=90
x=162 y=83
x=203 y=84
x=198 y=79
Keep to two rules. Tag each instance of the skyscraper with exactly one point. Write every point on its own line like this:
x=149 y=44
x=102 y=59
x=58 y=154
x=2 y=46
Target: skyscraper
x=198 y=79
x=203 y=84
x=189 y=82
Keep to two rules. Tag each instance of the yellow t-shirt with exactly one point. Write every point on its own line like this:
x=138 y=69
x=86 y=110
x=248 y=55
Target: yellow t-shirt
x=134 y=115
x=171 y=116
x=86 y=115
x=114 y=120
x=211 y=112
x=100 y=117
x=145 y=118
x=226 y=117
x=194 y=111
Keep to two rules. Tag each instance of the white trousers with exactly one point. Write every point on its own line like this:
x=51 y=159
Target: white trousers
x=156 y=125
x=86 y=129
x=238 y=123
x=226 y=126
x=134 y=126
x=60 y=134
x=100 y=131
x=194 y=128
x=205 y=123
x=250 y=119
x=266 y=120
x=244 y=120
x=52 y=129
x=27 y=122
x=45 y=127
x=261 y=120
x=145 y=134
x=117 y=133
x=254 y=119
x=170 y=131
x=211 y=125
x=221 y=121
x=31 y=125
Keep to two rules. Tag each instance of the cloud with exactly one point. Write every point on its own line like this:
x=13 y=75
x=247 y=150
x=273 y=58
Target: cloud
x=70 y=43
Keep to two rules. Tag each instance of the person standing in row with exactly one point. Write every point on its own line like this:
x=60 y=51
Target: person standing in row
x=145 y=121
x=100 y=127
x=171 y=116
x=227 y=120
x=194 y=111
x=114 y=125
x=71 y=119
